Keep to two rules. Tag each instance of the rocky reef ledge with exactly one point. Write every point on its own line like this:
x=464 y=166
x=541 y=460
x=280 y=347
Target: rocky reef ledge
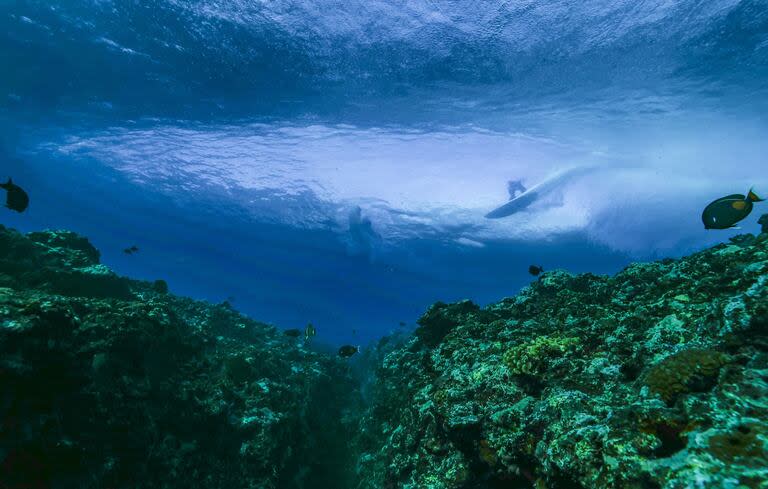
x=654 y=378
x=107 y=382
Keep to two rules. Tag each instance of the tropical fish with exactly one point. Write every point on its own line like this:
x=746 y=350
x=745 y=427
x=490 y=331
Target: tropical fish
x=725 y=212
x=309 y=332
x=347 y=351
x=17 y=199
x=129 y=251
x=535 y=270
x=293 y=332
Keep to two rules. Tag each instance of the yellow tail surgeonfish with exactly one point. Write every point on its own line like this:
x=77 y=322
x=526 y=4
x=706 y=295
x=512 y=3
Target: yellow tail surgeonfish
x=725 y=212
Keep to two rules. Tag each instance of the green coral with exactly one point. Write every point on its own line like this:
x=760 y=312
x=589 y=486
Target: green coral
x=685 y=371
x=535 y=356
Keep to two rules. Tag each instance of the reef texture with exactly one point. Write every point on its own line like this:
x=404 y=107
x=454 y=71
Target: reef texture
x=654 y=378
x=107 y=382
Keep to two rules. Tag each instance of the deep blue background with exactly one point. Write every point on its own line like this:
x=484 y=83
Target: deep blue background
x=77 y=70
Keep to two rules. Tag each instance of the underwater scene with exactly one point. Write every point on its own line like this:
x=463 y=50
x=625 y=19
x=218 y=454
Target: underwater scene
x=384 y=244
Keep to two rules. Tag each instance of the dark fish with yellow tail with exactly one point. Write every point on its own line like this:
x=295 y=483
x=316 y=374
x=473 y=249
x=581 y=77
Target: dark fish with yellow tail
x=725 y=212
x=347 y=351
x=17 y=199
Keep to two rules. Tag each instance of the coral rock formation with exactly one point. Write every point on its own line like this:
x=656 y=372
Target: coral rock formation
x=114 y=383
x=656 y=377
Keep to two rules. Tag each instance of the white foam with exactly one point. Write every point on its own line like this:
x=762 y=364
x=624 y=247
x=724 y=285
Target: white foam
x=644 y=194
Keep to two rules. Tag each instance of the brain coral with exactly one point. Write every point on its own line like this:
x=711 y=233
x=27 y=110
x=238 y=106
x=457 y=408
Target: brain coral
x=691 y=370
x=533 y=356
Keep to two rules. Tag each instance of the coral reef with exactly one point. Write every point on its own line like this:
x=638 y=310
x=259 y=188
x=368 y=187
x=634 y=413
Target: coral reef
x=114 y=383
x=656 y=377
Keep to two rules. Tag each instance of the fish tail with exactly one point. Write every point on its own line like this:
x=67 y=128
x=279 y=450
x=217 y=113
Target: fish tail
x=752 y=196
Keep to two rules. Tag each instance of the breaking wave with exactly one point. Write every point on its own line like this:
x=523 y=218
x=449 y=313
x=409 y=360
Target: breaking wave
x=345 y=152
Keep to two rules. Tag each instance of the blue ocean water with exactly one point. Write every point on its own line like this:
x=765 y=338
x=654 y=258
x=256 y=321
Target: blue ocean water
x=332 y=162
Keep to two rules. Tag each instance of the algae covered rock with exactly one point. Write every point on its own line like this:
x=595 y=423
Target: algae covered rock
x=763 y=221
x=440 y=319
x=160 y=286
x=72 y=249
x=60 y=262
x=652 y=378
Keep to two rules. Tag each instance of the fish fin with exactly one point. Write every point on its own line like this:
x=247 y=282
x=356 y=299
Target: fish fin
x=752 y=196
